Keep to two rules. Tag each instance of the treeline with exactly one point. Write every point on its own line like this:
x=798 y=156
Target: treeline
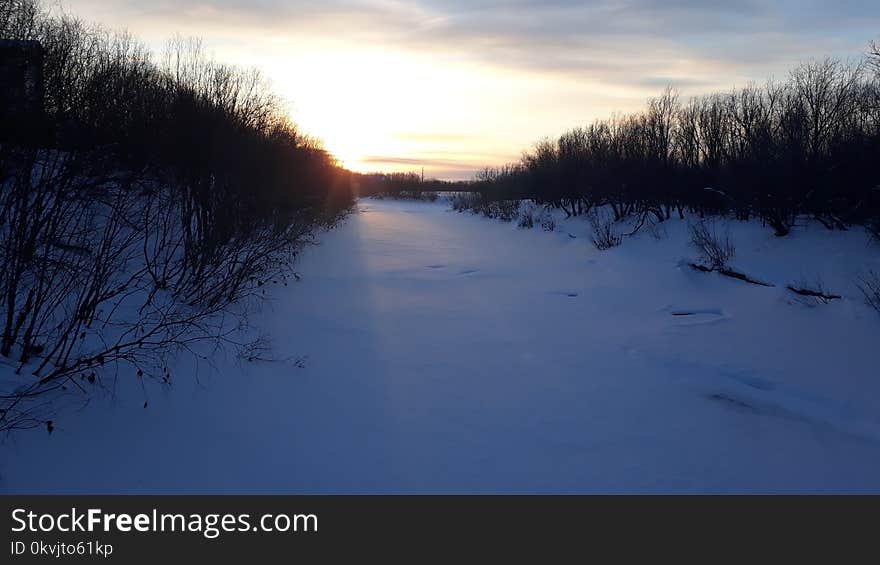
x=142 y=209
x=181 y=114
x=405 y=186
x=808 y=145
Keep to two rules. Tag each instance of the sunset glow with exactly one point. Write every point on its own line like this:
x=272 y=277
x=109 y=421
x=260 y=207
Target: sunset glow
x=454 y=86
x=416 y=248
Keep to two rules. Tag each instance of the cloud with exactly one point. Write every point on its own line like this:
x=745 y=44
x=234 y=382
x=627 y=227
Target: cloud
x=614 y=40
x=471 y=163
x=387 y=160
x=447 y=165
x=437 y=137
x=475 y=81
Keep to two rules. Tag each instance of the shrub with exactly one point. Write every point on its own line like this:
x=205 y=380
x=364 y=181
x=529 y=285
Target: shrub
x=505 y=210
x=604 y=234
x=464 y=201
x=869 y=284
x=526 y=219
x=873 y=228
x=713 y=248
x=421 y=195
x=547 y=221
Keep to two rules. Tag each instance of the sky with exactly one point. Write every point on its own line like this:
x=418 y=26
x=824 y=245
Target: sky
x=457 y=85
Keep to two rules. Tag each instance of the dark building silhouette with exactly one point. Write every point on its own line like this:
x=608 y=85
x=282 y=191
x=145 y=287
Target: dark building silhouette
x=21 y=87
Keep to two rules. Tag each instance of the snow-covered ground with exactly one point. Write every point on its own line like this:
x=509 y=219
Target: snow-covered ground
x=449 y=353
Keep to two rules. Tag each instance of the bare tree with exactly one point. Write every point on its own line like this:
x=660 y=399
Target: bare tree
x=152 y=212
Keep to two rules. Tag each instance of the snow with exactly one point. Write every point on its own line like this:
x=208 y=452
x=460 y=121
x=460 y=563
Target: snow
x=446 y=353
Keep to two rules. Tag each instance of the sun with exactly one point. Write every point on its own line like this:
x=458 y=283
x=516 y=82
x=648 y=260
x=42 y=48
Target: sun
x=348 y=158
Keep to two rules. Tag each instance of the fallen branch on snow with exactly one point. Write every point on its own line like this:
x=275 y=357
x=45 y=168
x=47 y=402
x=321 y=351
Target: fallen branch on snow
x=814 y=294
x=727 y=272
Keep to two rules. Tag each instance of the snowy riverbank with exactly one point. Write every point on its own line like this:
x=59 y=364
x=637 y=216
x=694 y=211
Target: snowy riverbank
x=448 y=353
